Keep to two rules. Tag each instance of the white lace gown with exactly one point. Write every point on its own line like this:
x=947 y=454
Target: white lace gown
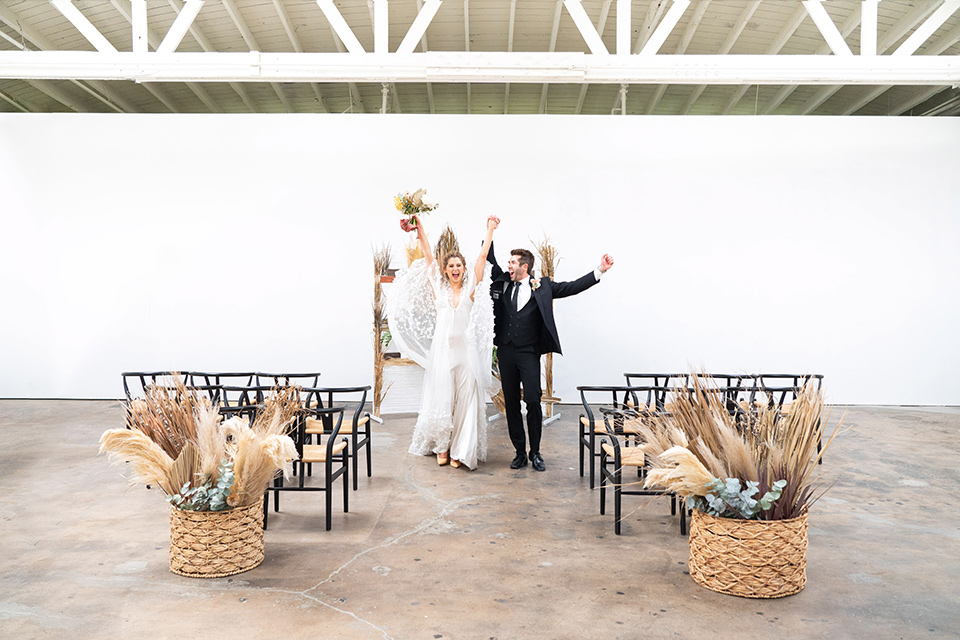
x=452 y=339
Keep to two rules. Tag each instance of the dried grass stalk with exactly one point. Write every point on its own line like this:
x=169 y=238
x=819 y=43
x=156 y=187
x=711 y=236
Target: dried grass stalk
x=414 y=252
x=445 y=245
x=151 y=464
x=280 y=408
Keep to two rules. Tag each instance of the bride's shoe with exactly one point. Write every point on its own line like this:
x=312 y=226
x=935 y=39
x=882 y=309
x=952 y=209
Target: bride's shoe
x=443 y=458
x=454 y=463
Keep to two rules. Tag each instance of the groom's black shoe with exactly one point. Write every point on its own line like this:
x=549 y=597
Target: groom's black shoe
x=519 y=462
x=537 y=461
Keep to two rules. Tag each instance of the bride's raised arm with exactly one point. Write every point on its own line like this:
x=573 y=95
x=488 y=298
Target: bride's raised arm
x=492 y=223
x=421 y=238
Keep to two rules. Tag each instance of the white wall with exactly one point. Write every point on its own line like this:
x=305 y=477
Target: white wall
x=244 y=242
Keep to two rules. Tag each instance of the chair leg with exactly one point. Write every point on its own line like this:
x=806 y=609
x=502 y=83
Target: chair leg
x=266 y=510
x=683 y=520
x=355 y=452
x=369 y=462
x=346 y=484
x=673 y=504
x=328 y=492
x=617 y=480
x=593 y=459
x=603 y=484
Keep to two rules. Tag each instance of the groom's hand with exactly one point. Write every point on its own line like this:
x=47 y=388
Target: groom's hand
x=493 y=222
x=606 y=262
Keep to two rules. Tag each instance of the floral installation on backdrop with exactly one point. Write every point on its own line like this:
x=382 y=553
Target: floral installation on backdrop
x=413 y=204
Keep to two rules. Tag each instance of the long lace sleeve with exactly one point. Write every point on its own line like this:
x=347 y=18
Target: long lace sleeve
x=479 y=335
x=412 y=311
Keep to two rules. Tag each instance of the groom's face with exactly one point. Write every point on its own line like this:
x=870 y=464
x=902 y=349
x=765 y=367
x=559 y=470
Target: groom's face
x=517 y=271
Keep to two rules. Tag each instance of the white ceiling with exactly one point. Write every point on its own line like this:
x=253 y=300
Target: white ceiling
x=708 y=34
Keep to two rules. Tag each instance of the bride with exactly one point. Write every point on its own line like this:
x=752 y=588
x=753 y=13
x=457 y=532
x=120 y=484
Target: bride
x=442 y=318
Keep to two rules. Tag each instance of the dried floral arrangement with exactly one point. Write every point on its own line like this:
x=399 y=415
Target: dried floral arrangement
x=757 y=462
x=178 y=441
x=381 y=266
x=549 y=258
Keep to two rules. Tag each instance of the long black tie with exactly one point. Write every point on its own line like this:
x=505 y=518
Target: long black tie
x=514 y=295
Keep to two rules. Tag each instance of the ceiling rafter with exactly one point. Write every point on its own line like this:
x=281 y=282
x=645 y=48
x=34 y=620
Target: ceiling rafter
x=601 y=25
x=827 y=28
x=555 y=30
x=785 y=34
x=654 y=11
x=28 y=33
x=251 y=41
x=919 y=13
x=851 y=23
x=16 y=104
x=84 y=26
x=512 y=23
x=935 y=49
x=695 y=20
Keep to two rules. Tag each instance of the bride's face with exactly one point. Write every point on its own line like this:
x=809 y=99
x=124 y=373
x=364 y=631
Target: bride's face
x=454 y=270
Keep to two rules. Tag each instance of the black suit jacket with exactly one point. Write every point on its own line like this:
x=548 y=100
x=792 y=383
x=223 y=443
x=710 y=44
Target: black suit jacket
x=544 y=296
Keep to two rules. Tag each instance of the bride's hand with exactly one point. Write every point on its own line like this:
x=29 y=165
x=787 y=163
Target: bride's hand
x=492 y=222
x=405 y=224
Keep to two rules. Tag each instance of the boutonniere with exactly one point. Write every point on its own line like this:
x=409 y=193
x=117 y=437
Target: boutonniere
x=534 y=284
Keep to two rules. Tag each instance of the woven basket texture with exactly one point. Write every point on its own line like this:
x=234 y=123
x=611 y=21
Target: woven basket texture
x=213 y=544
x=749 y=558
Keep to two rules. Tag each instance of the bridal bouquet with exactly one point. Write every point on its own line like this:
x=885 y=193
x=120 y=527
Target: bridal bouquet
x=412 y=204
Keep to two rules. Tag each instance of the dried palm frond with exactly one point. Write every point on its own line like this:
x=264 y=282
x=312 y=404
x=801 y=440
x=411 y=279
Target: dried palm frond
x=210 y=443
x=166 y=415
x=685 y=474
x=445 y=245
x=280 y=408
x=185 y=469
x=151 y=464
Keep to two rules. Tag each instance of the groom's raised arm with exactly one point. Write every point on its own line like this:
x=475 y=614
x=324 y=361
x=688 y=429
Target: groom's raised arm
x=495 y=270
x=565 y=289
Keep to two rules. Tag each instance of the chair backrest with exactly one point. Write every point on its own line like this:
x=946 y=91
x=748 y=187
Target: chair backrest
x=235 y=379
x=135 y=383
x=352 y=399
x=621 y=402
x=288 y=379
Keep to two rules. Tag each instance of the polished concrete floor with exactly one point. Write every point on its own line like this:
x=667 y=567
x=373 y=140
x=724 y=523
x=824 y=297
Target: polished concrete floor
x=430 y=552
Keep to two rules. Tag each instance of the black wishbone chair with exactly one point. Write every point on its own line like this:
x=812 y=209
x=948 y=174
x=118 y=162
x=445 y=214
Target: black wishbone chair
x=356 y=424
x=331 y=449
x=135 y=383
x=306 y=380
x=642 y=401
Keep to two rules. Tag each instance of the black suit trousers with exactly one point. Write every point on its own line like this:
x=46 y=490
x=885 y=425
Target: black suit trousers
x=520 y=366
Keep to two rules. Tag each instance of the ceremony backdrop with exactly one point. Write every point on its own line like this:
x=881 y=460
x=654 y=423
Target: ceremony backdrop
x=244 y=242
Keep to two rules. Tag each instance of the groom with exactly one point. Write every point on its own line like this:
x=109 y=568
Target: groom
x=524 y=329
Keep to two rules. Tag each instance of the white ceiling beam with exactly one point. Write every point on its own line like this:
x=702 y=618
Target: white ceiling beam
x=925 y=30
x=935 y=49
x=851 y=23
x=16 y=43
x=180 y=26
x=728 y=43
x=335 y=18
x=553 y=47
x=665 y=27
x=138 y=22
x=419 y=27
x=914 y=100
x=585 y=27
x=206 y=45
x=785 y=34
x=604 y=14
x=57 y=94
x=381 y=26
x=466 y=43
x=654 y=10
x=476 y=66
x=513 y=19
x=624 y=27
x=251 y=41
x=868 y=27
x=84 y=26
x=688 y=33
x=827 y=28
x=918 y=14
x=26 y=32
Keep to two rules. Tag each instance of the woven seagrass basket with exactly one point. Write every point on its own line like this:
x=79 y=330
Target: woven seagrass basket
x=749 y=558
x=214 y=544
